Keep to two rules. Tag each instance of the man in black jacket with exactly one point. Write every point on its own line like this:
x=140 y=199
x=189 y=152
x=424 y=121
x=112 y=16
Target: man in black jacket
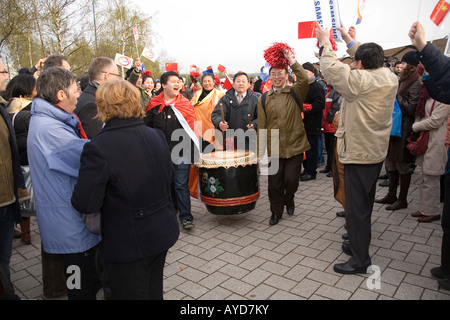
x=100 y=70
x=240 y=107
x=313 y=109
x=438 y=67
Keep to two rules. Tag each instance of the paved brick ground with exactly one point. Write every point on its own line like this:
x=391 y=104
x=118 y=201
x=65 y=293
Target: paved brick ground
x=241 y=257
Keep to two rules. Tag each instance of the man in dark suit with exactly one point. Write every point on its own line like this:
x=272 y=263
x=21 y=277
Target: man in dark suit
x=100 y=70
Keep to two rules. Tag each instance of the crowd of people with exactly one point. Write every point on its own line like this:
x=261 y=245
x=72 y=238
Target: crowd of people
x=112 y=161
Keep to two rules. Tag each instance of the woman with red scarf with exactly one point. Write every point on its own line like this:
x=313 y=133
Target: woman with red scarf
x=174 y=115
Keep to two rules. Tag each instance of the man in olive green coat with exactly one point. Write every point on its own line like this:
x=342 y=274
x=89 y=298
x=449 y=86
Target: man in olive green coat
x=281 y=130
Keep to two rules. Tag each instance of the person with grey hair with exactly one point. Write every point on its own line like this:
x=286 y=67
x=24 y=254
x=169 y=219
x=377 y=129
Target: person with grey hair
x=55 y=142
x=100 y=70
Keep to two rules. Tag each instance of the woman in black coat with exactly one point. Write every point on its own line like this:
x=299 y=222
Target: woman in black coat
x=399 y=159
x=126 y=174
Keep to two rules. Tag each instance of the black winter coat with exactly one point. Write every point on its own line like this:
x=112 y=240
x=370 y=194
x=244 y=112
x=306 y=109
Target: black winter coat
x=126 y=173
x=313 y=119
x=438 y=66
x=86 y=110
x=397 y=151
x=236 y=114
x=167 y=122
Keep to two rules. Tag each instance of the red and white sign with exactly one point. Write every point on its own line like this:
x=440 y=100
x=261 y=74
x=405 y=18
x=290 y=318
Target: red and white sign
x=136 y=33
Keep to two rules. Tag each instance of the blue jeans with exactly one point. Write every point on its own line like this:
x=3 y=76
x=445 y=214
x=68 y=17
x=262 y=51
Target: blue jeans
x=6 y=238
x=182 y=197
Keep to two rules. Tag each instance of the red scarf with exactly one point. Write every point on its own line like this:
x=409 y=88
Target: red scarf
x=180 y=102
x=80 y=127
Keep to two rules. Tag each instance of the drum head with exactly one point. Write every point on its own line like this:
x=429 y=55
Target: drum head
x=228 y=159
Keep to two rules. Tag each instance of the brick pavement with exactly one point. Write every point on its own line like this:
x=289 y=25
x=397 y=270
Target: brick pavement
x=241 y=257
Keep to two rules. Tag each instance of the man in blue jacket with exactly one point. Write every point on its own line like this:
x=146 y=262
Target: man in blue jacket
x=54 y=148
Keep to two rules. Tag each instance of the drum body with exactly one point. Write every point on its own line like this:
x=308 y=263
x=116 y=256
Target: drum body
x=229 y=181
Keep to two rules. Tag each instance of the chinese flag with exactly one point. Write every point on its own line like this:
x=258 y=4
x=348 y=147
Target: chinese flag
x=171 y=66
x=221 y=68
x=267 y=86
x=439 y=12
x=227 y=85
x=307 y=29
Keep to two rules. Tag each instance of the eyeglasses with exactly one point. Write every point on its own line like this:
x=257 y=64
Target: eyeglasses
x=114 y=74
x=277 y=75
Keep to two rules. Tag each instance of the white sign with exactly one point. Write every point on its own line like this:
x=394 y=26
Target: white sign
x=149 y=54
x=123 y=61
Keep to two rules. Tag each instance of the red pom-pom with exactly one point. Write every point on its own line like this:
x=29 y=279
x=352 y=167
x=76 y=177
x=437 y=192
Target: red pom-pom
x=274 y=55
x=147 y=73
x=194 y=76
x=333 y=43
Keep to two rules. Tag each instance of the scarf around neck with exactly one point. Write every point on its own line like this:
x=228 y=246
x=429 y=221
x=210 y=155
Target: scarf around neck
x=406 y=82
x=180 y=103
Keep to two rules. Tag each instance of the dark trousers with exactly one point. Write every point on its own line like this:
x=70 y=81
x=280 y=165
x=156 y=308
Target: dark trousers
x=312 y=156
x=137 y=280
x=329 y=146
x=284 y=184
x=53 y=275
x=360 y=182
x=182 y=196
x=445 y=251
x=89 y=281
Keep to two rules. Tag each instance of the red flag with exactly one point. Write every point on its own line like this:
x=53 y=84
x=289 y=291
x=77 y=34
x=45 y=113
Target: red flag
x=221 y=68
x=267 y=86
x=171 y=66
x=227 y=85
x=439 y=12
x=307 y=29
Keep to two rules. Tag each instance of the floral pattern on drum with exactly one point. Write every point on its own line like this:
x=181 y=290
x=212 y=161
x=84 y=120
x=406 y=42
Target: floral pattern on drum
x=213 y=186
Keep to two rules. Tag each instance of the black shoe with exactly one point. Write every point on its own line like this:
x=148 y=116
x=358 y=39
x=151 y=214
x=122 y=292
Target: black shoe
x=345 y=268
x=326 y=170
x=290 y=209
x=384 y=177
x=274 y=220
x=329 y=174
x=340 y=214
x=385 y=183
x=444 y=284
x=307 y=177
x=346 y=248
x=439 y=273
x=345 y=236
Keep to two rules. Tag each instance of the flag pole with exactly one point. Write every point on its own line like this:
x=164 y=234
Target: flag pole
x=418 y=11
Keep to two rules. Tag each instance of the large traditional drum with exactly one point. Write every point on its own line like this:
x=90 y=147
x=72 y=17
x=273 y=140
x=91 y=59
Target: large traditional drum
x=229 y=181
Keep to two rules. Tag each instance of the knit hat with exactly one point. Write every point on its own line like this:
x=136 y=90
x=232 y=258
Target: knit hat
x=411 y=58
x=310 y=67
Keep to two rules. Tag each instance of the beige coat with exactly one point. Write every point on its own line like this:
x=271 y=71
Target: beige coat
x=434 y=160
x=283 y=114
x=366 y=112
